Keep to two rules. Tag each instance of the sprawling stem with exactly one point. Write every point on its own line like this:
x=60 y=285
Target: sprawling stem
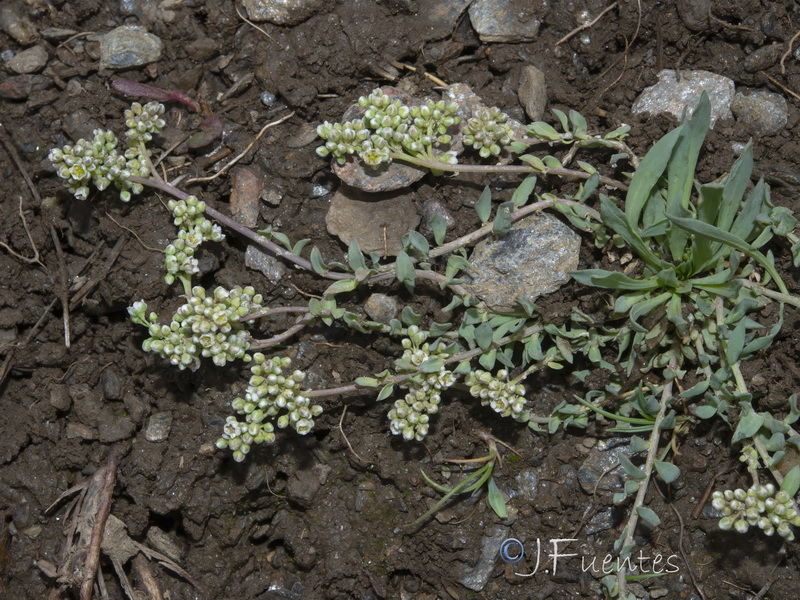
x=633 y=519
x=438 y=165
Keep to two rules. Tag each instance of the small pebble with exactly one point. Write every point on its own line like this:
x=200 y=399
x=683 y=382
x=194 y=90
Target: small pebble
x=129 y=46
x=267 y=99
x=158 y=427
x=318 y=191
x=282 y=12
x=268 y=265
x=246 y=189
x=763 y=113
x=532 y=92
x=506 y=21
x=381 y=308
x=28 y=61
x=17 y=26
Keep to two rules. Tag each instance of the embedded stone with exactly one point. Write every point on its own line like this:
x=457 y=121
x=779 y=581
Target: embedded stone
x=532 y=259
x=129 y=46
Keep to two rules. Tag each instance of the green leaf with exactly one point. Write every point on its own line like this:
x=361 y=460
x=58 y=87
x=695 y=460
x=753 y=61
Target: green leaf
x=625 y=227
x=736 y=343
x=354 y=256
x=298 y=247
x=791 y=481
x=562 y=118
x=432 y=365
x=416 y=241
x=502 y=219
x=523 y=191
x=404 y=270
x=283 y=239
x=385 y=392
x=483 y=336
x=439 y=228
x=484 y=205
x=647 y=175
x=718 y=235
x=367 y=382
x=316 y=262
x=613 y=280
x=341 y=286
x=409 y=317
x=648 y=516
x=667 y=471
x=487 y=359
x=496 y=500
x=533 y=161
x=735 y=186
x=705 y=411
x=579 y=126
x=749 y=424
x=638 y=444
x=631 y=469
x=681 y=169
x=543 y=131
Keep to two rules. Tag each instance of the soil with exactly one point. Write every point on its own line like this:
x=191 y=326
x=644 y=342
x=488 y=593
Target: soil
x=322 y=516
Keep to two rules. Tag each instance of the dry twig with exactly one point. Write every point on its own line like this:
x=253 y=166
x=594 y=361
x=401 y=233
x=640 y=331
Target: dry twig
x=586 y=25
x=788 y=51
x=64 y=281
x=35 y=257
x=243 y=153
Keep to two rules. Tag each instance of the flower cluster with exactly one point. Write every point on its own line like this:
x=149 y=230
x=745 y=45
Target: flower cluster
x=207 y=326
x=194 y=229
x=143 y=121
x=98 y=162
x=488 y=131
x=388 y=128
x=269 y=392
x=410 y=415
x=506 y=398
x=760 y=505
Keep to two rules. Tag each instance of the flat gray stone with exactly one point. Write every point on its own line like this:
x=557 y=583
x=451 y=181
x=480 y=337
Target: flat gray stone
x=677 y=91
x=269 y=266
x=158 y=427
x=532 y=92
x=476 y=577
x=28 y=61
x=763 y=113
x=508 y=21
x=532 y=259
x=377 y=222
x=596 y=473
x=129 y=46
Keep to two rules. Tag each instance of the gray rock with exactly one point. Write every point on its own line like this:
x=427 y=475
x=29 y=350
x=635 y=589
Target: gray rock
x=596 y=466
x=377 y=222
x=601 y=521
x=530 y=260
x=763 y=58
x=303 y=486
x=437 y=19
x=532 y=92
x=381 y=308
x=16 y=25
x=247 y=186
x=129 y=46
x=763 y=113
x=679 y=91
x=270 y=267
x=694 y=13
x=508 y=21
x=158 y=427
x=475 y=578
x=28 y=61
x=282 y=12
x=112 y=386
